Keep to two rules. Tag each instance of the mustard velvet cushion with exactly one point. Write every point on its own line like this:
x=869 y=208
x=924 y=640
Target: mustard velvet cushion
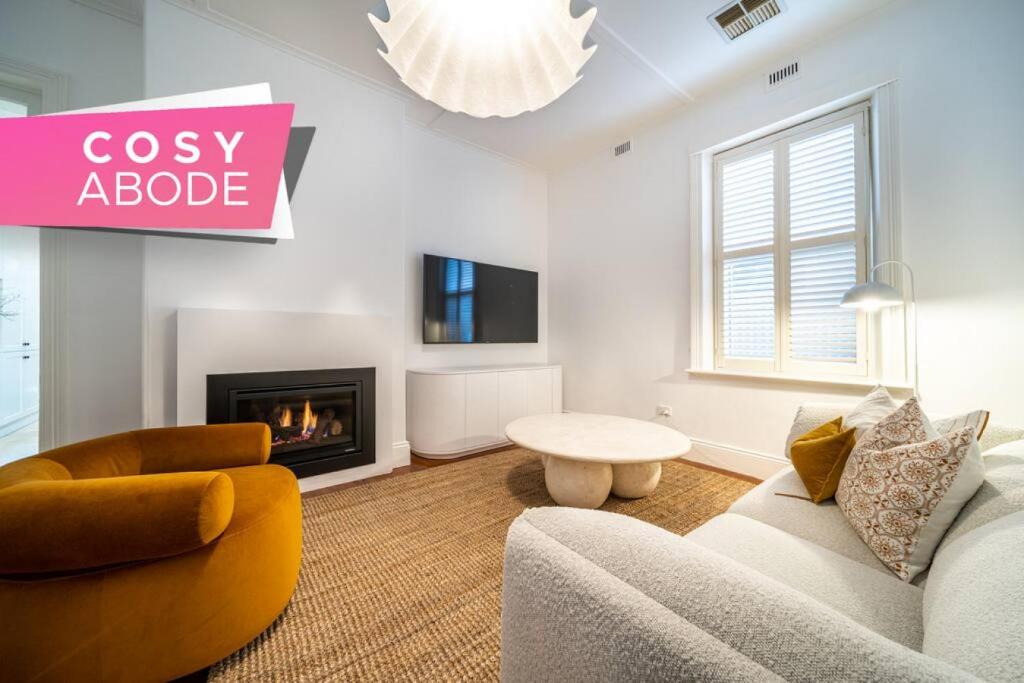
x=819 y=457
x=162 y=614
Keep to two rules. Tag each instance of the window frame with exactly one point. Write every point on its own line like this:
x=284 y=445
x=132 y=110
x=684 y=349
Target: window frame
x=782 y=247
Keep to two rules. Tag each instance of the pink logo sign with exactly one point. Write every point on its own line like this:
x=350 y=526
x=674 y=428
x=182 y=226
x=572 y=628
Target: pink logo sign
x=217 y=167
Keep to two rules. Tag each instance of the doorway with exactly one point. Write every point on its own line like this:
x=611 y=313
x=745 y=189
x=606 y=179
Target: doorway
x=19 y=315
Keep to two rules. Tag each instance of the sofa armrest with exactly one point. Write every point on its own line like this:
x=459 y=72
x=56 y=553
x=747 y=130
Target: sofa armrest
x=67 y=525
x=592 y=596
x=203 y=447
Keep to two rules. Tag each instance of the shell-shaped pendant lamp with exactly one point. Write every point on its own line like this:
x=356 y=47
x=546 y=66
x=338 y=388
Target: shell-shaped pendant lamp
x=486 y=57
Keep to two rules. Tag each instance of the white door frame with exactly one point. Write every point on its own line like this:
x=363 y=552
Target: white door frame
x=53 y=261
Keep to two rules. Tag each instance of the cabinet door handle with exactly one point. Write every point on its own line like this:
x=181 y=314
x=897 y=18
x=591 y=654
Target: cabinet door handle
x=26 y=343
x=25 y=357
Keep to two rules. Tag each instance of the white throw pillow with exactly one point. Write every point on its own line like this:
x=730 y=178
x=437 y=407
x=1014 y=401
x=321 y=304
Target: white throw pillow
x=872 y=408
x=904 y=485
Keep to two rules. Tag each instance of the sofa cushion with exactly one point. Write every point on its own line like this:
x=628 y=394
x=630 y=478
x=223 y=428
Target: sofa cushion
x=976 y=418
x=996 y=435
x=1008 y=448
x=812 y=415
x=819 y=457
x=822 y=524
x=901 y=500
x=1001 y=494
x=882 y=603
x=974 y=601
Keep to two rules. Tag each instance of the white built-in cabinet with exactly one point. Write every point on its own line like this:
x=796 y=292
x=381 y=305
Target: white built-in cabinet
x=457 y=411
x=19 y=327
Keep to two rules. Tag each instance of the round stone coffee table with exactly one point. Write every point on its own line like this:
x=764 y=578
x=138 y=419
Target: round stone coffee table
x=586 y=456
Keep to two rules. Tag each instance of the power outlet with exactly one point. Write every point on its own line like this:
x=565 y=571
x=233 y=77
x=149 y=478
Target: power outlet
x=663 y=411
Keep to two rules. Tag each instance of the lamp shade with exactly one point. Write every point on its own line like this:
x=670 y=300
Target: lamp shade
x=871 y=296
x=486 y=57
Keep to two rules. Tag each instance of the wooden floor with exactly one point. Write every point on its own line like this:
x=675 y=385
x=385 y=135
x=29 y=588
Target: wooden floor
x=418 y=462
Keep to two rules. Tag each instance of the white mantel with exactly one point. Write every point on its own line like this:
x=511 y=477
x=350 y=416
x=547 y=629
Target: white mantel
x=214 y=341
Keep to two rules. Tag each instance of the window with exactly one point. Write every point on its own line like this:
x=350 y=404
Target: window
x=790 y=221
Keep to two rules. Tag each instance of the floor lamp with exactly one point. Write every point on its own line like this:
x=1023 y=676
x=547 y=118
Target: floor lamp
x=873 y=295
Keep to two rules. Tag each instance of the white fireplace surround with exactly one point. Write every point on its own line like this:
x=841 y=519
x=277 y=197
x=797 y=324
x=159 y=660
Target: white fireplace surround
x=214 y=341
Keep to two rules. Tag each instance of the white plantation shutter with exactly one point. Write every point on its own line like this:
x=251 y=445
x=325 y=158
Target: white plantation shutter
x=822 y=185
x=748 y=307
x=747 y=320
x=748 y=202
x=790 y=239
x=819 y=329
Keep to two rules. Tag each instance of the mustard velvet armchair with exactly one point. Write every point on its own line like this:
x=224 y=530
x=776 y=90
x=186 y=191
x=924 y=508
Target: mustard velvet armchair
x=143 y=556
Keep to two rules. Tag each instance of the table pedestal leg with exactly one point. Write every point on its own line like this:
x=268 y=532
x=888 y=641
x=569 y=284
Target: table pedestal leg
x=635 y=481
x=578 y=484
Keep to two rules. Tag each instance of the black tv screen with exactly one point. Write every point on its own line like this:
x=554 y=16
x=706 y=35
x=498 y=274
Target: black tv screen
x=465 y=302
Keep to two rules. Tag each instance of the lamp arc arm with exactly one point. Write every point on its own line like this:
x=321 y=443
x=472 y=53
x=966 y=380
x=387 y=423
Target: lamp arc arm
x=910 y=272
x=913 y=308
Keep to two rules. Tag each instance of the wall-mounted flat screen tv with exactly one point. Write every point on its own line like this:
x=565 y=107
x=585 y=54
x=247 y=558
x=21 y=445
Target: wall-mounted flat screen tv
x=465 y=302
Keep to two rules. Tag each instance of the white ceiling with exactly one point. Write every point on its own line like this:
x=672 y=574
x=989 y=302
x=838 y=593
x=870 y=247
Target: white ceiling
x=653 y=56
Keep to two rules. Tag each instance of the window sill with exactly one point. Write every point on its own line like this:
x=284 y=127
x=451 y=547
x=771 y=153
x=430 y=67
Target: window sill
x=834 y=381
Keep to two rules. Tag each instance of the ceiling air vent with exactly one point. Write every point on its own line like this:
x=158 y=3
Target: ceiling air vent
x=737 y=18
x=623 y=148
x=783 y=74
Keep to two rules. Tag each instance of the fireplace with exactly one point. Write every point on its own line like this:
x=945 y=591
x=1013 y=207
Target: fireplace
x=320 y=420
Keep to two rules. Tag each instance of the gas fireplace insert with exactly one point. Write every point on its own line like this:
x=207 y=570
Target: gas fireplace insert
x=320 y=420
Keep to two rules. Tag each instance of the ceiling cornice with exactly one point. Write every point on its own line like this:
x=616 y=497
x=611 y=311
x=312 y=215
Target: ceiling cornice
x=114 y=10
x=604 y=34
x=202 y=8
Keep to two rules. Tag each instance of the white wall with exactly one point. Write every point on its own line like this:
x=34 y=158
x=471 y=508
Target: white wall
x=102 y=59
x=619 y=229
x=467 y=203
x=376 y=192
x=347 y=256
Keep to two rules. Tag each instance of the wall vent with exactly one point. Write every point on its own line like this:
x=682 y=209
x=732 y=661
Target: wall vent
x=738 y=18
x=623 y=148
x=784 y=74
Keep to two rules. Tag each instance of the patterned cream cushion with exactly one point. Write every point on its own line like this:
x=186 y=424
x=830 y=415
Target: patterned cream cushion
x=904 y=484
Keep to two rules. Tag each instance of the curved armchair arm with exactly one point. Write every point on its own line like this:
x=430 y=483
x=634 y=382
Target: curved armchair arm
x=204 y=447
x=51 y=526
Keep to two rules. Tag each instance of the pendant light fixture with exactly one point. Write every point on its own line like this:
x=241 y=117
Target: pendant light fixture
x=486 y=57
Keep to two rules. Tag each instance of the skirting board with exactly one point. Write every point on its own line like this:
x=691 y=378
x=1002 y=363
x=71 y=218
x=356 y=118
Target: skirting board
x=750 y=463
x=400 y=457
x=455 y=455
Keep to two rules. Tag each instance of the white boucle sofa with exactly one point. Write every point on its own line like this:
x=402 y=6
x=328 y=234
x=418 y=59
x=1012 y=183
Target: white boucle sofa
x=774 y=589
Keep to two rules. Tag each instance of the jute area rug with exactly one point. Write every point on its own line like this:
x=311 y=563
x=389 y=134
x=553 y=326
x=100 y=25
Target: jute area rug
x=401 y=578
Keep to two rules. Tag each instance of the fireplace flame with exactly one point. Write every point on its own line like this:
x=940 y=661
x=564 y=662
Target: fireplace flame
x=308 y=418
